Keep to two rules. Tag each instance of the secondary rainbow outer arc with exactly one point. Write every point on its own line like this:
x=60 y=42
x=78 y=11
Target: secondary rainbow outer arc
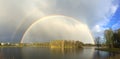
x=47 y=17
x=22 y=22
x=20 y=25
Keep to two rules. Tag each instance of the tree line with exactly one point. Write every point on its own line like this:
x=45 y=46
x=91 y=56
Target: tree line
x=112 y=38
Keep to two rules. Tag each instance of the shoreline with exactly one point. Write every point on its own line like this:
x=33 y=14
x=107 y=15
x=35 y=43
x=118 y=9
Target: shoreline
x=116 y=50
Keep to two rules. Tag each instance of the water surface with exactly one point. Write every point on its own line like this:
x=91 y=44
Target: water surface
x=47 y=53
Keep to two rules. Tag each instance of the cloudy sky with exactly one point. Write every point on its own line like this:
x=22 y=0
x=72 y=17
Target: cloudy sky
x=57 y=27
x=17 y=15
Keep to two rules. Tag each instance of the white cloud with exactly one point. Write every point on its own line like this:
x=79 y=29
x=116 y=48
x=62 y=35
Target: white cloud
x=97 y=28
x=116 y=26
x=114 y=8
x=25 y=12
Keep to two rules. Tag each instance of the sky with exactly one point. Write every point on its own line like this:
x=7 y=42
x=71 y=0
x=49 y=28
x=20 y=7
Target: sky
x=115 y=20
x=16 y=16
x=57 y=27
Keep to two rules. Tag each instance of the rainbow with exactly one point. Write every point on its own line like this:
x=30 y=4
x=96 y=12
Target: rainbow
x=47 y=17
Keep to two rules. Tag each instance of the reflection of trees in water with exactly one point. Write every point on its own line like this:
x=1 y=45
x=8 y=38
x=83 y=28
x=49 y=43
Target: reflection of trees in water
x=114 y=55
x=10 y=53
x=48 y=53
x=56 y=53
x=1 y=56
x=65 y=53
x=35 y=53
x=65 y=50
x=105 y=55
x=100 y=55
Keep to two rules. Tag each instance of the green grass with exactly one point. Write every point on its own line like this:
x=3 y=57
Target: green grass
x=109 y=49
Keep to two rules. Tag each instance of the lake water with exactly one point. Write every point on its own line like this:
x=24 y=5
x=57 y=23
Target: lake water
x=47 y=53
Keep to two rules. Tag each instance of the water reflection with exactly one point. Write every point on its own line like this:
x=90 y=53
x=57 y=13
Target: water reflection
x=101 y=55
x=56 y=53
x=10 y=53
x=65 y=51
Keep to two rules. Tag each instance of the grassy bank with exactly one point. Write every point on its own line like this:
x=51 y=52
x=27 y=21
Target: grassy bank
x=109 y=49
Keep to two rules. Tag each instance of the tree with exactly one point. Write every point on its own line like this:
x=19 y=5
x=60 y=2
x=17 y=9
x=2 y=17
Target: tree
x=109 y=38
x=78 y=44
x=116 y=39
x=97 y=41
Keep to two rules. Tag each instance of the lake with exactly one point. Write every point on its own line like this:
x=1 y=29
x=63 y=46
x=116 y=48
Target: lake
x=56 y=53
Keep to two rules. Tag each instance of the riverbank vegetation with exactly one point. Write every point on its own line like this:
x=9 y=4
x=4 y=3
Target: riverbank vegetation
x=117 y=50
x=51 y=44
x=112 y=41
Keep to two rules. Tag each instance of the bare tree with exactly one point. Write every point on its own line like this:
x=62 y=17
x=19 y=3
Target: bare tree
x=97 y=41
